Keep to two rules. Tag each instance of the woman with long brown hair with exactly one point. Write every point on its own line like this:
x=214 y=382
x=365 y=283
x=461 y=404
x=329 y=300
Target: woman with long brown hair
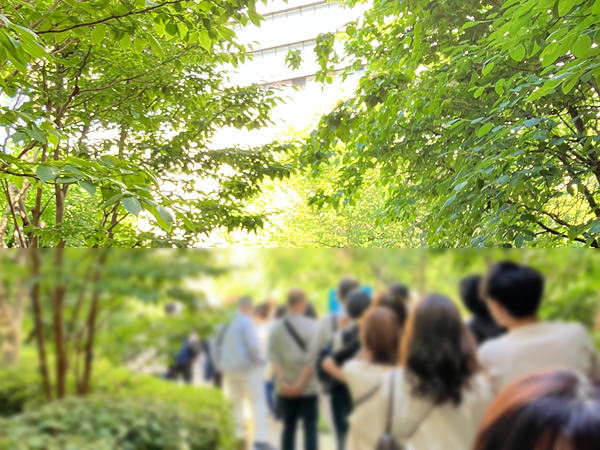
x=438 y=395
x=556 y=410
x=380 y=340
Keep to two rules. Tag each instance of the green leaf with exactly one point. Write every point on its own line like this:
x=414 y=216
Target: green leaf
x=596 y=8
x=37 y=134
x=485 y=129
x=582 y=46
x=460 y=186
x=98 y=33
x=205 y=40
x=46 y=173
x=569 y=83
x=564 y=6
x=125 y=42
x=132 y=205
x=162 y=216
x=531 y=122
x=488 y=68
x=156 y=48
x=519 y=238
x=140 y=44
x=89 y=187
x=517 y=53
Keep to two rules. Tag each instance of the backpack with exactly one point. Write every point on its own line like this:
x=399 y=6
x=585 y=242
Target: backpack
x=387 y=440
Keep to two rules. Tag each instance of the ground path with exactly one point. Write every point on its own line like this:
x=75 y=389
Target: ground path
x=326 y=440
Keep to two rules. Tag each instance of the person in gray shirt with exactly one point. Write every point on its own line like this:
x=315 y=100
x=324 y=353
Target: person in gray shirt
x=293 y=349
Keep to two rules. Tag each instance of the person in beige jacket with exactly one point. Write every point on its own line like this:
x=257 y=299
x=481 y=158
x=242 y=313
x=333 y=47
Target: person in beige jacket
x=514 y=294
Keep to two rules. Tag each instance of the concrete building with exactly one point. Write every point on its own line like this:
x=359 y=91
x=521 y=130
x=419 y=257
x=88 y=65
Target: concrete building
x=291 y=25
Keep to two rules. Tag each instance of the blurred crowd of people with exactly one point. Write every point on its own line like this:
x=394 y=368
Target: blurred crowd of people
x=392 y=373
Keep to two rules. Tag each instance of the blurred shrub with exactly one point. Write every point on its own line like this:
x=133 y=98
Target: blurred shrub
x=20 y=387
x=126 y=411
x=104 y=422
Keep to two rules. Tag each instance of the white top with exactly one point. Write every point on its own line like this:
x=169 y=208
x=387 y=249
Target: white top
x=367 y=421
x=262 y=331
x=540 y=346
x=446 y=427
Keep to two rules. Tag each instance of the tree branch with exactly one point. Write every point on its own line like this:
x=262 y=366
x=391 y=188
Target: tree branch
x=108 y=19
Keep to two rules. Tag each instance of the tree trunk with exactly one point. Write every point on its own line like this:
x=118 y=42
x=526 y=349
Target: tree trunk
x=39 y=322
x=12 y=309
x=85 y=387
x=59 y=325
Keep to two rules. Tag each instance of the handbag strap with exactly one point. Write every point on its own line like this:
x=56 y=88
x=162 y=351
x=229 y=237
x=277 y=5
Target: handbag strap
x=390 y=412
x=291 y=330
x=359 y=401
x=388 y=426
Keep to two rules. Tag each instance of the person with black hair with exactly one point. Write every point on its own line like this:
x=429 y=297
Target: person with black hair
x=330 y=327
x=513 y=294
x=437 y=397
x=547 y=410
x=188 y=349
x=482 y=324
x=358 y=302
x=399 y=293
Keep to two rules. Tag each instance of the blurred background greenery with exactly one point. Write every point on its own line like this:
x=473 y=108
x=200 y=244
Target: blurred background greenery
x=84 y=332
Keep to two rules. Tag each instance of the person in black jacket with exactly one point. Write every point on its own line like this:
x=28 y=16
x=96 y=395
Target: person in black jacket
x=341 y=401
x=481 y=324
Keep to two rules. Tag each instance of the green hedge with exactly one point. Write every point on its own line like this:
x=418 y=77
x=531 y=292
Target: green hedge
x=126 y=411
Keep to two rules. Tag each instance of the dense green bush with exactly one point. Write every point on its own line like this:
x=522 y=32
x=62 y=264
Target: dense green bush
x=126 y=411
x=112 y=423
x=20 y=387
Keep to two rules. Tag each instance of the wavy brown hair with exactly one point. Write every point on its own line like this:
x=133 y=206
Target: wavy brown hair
x=556 y=410
x=438 y=351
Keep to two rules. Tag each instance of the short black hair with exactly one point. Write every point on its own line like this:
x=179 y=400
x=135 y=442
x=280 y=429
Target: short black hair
x=311 y=311
x=518 y=288
x=399 y=291
x=358 y=302
x=470 y=293
x=347 y=285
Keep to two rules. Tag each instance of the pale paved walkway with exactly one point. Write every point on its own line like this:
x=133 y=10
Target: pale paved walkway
x=326 y=441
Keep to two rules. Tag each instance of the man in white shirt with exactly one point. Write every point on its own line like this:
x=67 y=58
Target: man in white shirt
x=242 y=365
x=514 y=293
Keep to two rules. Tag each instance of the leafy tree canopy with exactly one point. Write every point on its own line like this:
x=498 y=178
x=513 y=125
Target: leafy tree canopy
x=108 y=108
x=481 y=117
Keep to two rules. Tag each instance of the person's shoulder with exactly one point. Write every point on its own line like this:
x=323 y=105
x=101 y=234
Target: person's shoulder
x=276 y=325
x=307 y=322
x=353 y=364
x=493 y=346
x=572 y=330
x=398 y=378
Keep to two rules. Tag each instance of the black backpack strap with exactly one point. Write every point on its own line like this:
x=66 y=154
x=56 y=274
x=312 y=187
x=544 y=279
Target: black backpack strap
x=359 y=401
x=294 y=335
